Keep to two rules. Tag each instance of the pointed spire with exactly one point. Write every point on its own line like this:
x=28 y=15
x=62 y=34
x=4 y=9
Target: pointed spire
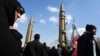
x=62 y=7
x=31 y=19
x=29 y=32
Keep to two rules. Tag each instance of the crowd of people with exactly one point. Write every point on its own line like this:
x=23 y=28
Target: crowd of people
x=36 y=48
x=86 y=46
x=10 y=38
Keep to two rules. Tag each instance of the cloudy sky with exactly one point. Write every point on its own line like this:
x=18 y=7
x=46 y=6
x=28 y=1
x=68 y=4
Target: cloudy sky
x=45 y=13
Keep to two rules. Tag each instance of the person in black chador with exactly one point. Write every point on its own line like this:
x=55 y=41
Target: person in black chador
x=10 y=38
x=34 y=48
x=87 y=45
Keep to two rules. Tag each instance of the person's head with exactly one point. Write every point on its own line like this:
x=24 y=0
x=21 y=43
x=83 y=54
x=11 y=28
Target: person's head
x=18 y=12
x=36 y=36
x=91 y=28
x=13 y=14
x=58 y=46
x=44 y=43
x=53 y=47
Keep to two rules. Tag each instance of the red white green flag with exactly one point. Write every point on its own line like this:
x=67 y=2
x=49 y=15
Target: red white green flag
x=75 y=36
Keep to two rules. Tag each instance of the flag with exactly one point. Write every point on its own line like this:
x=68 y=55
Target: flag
x=75 y=36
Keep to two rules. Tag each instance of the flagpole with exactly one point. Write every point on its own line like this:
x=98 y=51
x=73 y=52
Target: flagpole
x=74 y=37
x=73 y=21
x=71 y=44
x=73 y=27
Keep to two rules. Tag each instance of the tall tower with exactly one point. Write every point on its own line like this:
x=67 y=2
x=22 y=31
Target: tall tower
x=29 y=32
x=62 y=27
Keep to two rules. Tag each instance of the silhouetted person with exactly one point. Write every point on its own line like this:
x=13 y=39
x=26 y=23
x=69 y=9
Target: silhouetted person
x=87 y=45
x=59 y=49
x=46 y=49
x=10 y=44
x=69 y=51
x=34 y=48
x=53 y=52
x=65 y=51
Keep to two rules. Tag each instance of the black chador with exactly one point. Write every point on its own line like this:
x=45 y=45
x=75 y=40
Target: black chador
x=10 y=44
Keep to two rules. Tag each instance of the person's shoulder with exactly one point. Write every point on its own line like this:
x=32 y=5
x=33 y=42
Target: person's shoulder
x=82 y=37
x=31 y=43
x=34 y=42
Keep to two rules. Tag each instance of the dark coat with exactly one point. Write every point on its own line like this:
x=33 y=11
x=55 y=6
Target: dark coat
x=18 y=36
x=85 y=45
x=53 y=52
x=65 y=52
x=34 y=48
x=28 y=52
x=46 y=50
x=9 y=45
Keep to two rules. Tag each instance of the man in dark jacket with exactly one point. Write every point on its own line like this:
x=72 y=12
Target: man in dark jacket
x=34 y=48
x=87 y=45
x=10 y=44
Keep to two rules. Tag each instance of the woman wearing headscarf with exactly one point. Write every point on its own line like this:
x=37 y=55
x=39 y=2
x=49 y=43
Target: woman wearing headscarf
x=10 y=38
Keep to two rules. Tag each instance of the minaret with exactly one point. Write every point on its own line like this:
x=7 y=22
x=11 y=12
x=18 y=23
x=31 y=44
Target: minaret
x=29 y=32
x=62 y=27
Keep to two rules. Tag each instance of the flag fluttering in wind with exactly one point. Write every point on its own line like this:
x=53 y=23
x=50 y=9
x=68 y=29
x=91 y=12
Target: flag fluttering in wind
x=75 y=36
